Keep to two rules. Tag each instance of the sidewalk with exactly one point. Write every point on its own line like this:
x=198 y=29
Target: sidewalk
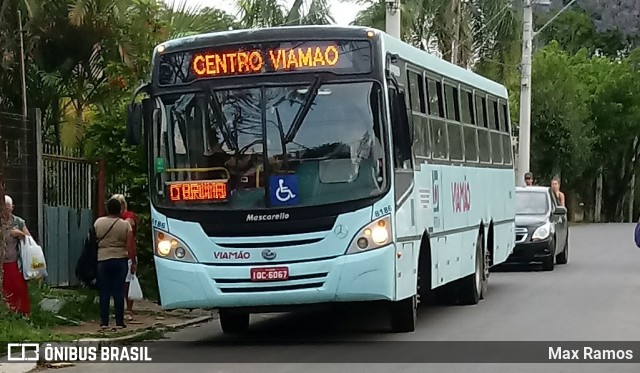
x=147 y=315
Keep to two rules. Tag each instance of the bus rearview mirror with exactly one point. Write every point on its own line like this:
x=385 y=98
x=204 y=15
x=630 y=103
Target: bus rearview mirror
x=134 y=124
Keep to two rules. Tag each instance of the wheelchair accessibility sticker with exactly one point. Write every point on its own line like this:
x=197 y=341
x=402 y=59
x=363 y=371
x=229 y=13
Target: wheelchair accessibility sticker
x=283 y=190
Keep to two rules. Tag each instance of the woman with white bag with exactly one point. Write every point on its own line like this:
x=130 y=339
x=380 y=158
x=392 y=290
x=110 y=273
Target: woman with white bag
x=134 y=292
x=14 y=286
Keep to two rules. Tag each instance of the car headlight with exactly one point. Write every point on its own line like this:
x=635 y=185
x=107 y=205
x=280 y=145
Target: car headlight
x=542 y=232
x=375 y=235
x=168 y=247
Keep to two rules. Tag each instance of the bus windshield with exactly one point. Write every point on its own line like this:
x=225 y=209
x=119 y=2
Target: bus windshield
x=252 y=148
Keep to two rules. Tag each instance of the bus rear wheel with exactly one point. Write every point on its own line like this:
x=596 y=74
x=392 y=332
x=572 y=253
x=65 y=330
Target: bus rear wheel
x=234 y=322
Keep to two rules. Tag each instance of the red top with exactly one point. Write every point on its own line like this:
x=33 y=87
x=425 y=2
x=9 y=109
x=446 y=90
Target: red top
x=131 y=215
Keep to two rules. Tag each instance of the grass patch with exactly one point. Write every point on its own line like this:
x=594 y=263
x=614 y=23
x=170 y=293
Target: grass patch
x=79 y=306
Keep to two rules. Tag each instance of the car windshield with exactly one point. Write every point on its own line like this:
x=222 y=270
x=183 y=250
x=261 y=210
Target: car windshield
x=299 y=145
x=531 y=203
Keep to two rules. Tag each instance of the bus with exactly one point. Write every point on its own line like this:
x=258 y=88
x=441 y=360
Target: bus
x=310 y=165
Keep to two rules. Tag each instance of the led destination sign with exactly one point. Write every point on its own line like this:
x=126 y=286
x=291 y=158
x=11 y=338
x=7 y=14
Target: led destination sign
x=239 y=62
x=339 y=57
x=198 y=191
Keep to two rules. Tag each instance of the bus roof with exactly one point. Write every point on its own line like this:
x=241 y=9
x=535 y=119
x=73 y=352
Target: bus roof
x=406 y=51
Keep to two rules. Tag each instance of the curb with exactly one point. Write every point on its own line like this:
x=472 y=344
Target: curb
x=143 y=333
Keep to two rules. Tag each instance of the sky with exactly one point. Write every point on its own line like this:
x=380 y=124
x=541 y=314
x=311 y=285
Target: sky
x=343 y=13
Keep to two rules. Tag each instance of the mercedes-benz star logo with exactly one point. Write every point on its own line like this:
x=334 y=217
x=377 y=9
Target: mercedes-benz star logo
x=268 y=254
x=340 y=231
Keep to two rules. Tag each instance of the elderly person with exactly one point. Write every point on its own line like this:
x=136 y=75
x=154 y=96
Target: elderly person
x=131 y=218
x=14 y=286
x=115 y=247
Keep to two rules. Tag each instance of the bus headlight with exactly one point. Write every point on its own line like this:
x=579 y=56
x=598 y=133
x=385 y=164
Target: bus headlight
x=168 y=247
x=373 y=236
x=542 y=232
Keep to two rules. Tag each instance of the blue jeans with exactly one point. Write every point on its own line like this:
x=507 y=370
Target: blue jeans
x=111 y=276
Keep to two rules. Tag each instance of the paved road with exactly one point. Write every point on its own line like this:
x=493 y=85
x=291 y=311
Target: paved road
x=596 y=297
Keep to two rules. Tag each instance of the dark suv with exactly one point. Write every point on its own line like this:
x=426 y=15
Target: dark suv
x=542 y=229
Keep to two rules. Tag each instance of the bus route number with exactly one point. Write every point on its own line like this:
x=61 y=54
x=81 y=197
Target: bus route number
x=383 y=211
x=159 y=224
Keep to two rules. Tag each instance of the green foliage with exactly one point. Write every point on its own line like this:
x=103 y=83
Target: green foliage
x=561 y=132
x=575 y=30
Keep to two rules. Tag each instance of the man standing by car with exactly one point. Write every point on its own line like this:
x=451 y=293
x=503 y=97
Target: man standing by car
x=528 y=179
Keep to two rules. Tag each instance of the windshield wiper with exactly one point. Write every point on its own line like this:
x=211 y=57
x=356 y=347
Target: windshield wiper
x=222 y=119
x=304 y=110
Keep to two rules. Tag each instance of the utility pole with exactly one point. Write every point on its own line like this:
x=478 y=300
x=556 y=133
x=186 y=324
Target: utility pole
x=23 y=67
x=456 y=17
x=392 y=19
x=524 y=135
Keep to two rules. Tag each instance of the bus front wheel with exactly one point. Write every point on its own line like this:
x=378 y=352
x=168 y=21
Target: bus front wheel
x=404 y=314
x=472 y=288
x=234 y=322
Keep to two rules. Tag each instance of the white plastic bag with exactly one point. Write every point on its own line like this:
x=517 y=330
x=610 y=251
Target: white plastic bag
x=135 y=291
x=34 y=265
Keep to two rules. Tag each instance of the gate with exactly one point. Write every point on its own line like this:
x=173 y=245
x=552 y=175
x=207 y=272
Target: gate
x=68 y=210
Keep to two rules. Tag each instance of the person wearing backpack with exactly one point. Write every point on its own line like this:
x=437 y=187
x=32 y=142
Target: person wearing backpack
x=115 y=247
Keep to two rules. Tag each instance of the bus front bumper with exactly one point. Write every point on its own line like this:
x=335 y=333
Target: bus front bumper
x=366 y=276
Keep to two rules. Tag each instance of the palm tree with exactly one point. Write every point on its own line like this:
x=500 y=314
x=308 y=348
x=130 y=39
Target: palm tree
x=460 y=30
x=270 y=13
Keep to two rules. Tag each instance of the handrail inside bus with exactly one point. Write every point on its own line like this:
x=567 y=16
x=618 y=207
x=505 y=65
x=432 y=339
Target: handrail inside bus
x=258 y=169
x=200 y=169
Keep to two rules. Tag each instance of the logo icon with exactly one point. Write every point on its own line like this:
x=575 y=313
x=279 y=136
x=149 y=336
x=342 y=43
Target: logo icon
x=19 y=351
x=284 y=190
x=268 y=254
x=340 y=231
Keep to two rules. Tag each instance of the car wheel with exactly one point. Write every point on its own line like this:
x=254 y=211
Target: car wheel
x=548 y=262
x=563 y=257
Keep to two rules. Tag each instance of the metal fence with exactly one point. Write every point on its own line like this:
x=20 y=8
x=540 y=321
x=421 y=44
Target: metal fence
x=69 y=178
x=20 y=144
x=69 y=182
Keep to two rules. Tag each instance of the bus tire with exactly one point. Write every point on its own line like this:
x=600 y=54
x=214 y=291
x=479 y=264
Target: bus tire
x=234 y=322
x=404 y=314
x=471 y=288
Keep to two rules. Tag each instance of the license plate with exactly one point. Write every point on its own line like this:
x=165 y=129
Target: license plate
x=270 y=274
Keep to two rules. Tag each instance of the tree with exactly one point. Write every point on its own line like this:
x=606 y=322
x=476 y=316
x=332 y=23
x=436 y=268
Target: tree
x=575 y=29
x=270 y=13
x=562 y=135
x=615 y=113
x=468 y=29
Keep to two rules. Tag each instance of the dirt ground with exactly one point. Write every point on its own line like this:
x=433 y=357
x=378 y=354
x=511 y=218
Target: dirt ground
x=146 y=314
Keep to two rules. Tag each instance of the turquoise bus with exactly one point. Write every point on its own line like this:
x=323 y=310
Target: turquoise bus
x=308 y=165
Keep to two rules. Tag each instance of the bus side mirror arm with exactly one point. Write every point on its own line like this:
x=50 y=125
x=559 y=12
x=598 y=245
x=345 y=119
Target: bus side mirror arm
x=135 y=115
x=404 y=130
